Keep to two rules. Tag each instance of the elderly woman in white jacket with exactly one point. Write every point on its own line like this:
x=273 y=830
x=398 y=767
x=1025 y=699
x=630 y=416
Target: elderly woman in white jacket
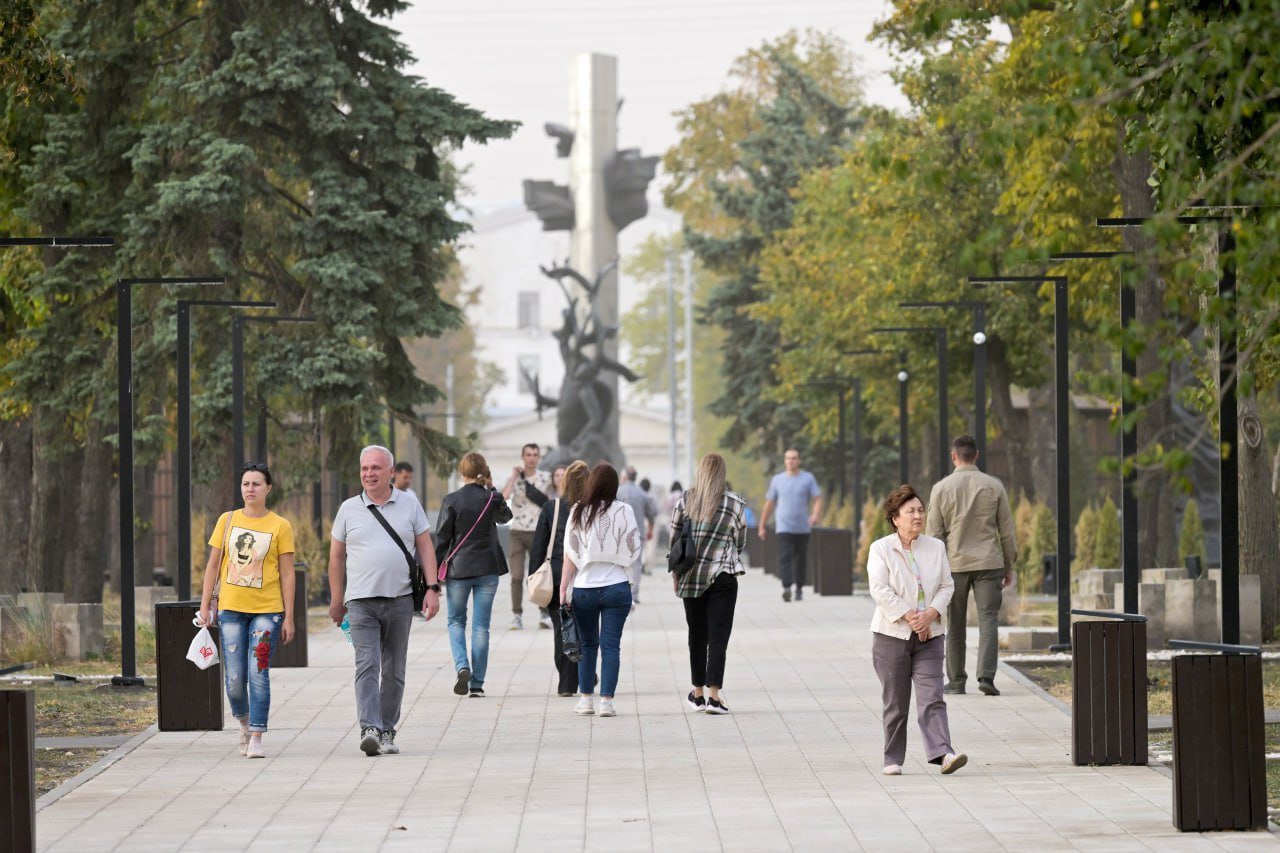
x=911 y=584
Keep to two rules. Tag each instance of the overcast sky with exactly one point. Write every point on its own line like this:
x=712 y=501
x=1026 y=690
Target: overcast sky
x=510 y=58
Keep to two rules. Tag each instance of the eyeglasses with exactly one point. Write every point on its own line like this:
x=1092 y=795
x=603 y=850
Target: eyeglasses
x=260 y=467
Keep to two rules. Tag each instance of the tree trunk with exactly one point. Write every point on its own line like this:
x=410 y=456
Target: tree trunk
x=1012 y=423
x=96 y=550
x=1157 y=510
x=1259 y=531
x=15 y=502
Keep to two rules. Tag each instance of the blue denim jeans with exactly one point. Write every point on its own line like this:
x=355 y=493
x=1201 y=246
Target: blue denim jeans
x=248 y=642
x=600 y=613
x=483 y=589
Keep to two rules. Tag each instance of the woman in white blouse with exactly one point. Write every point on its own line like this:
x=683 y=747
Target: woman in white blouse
x=602 y=541
x=911 y=584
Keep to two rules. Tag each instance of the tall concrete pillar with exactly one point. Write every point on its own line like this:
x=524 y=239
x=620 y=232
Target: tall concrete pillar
x=593 y=109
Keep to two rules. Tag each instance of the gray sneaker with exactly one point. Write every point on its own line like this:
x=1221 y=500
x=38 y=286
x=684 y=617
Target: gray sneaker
x=370 y=745
x=387 y=743
x=517 y=622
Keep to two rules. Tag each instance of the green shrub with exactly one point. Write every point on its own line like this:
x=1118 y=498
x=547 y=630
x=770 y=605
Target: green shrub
x=1045 y=538
x=1191 y=537
x=1106 y=547
x=1086 y=540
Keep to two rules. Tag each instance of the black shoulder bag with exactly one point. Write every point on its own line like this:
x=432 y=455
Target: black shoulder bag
x=417 y=579
x=683 y=554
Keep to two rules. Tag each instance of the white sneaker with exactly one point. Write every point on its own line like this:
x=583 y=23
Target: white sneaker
x=892 y=770
x=952 y=762
x=585 y=705
x=517 y=622
x=606 y=708
x=254 y=749
x=545 y=621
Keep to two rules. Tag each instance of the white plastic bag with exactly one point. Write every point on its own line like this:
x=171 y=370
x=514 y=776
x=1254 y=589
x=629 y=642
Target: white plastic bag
x=203 y=651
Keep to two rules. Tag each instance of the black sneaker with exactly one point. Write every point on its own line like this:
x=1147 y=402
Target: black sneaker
x=696 y=703
x=370 y=742
x=988 y=687
x=953 y=688
x=786 y=594
x=715 y=706
x=799 y=594
x=477 y=692
x=464 y=678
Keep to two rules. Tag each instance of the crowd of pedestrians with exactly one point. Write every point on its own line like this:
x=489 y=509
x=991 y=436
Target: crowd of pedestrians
x=589 y=526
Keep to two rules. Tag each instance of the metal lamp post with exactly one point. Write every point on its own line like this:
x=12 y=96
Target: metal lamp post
x=1128 y=435
x=1228 y=423
x=124 y=398
x=979 y=310
x=237 y=383
x=842 y=385
x=857 y=426
x=940 y=336
x=184 y=428
x=1062 y=435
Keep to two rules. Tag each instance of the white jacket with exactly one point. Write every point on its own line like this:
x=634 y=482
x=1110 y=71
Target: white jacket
x=893 y=584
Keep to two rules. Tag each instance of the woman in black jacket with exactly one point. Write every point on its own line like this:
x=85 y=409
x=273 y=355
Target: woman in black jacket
x=571 y=489
x=470 y=560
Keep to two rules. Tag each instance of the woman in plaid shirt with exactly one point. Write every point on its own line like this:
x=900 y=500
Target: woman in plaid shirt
x=710 y=588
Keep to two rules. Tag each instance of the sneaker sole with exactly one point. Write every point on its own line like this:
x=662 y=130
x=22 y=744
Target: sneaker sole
x=718 y=712
x=961 y=761
x=463 y=685
x=696 y=708
x=607 y=714
x=370 y=746
x=584 y=712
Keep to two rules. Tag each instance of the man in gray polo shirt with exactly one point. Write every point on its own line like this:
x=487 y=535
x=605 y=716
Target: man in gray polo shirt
x=378 y=597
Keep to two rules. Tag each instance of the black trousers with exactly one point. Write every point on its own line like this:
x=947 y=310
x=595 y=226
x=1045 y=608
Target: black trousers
x=567 y=681
x=793 y=552
x=710 y=621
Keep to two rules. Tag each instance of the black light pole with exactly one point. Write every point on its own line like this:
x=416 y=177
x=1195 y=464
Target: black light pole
x=857 y=427
x=58 y=242
x=1128 y=434
x=184 y=429
x=904 y=468
x=1228 y=424
x=1061 y=417
x=237 y=383
x=979 y=310
x=842 y=385
x=940 y=337
x=124 y=398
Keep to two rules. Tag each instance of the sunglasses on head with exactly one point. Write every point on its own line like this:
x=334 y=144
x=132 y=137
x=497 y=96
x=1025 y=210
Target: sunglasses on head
x=255 y=466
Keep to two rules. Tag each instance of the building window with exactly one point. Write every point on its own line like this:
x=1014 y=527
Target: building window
x=527 y=369
x=527 y=312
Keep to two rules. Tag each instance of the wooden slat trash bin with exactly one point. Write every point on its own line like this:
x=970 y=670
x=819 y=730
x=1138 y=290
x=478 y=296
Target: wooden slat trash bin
x=17 y=770
x=1109 y=688
x=833 y=570
x=187 y=698
x=1219 y=747
x=295 y=654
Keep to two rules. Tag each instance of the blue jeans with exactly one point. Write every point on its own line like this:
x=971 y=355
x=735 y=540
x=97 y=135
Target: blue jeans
x=601 y=612
x=457 y=590
x=248 y=642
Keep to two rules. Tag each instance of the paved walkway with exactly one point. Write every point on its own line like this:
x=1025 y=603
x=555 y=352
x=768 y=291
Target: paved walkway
x=797 y=767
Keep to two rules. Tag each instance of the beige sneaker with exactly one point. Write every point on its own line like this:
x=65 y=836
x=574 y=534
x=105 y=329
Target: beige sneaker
x=892 y=770
x=952 y=762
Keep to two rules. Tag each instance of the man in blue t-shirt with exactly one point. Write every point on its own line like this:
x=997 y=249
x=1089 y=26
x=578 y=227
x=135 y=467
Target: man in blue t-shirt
x=796 y=496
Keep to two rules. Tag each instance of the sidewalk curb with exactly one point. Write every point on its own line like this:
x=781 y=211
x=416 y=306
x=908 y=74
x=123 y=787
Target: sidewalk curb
x=94 y=770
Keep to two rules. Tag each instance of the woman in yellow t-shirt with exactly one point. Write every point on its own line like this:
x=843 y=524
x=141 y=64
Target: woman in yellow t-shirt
x=251 y=555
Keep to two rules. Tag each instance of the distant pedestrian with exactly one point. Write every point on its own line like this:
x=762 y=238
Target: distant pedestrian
x=674 y=493
x=645 y=509
x=369 y=582
x=550 y=543
x=910 y=583
x=601 y=544
x=527 y=489
x=255 y=601
x=557 y=481
x=969 y=511
x=798 y=499
x=467 y=546
x=710 y=589
x=403 y=478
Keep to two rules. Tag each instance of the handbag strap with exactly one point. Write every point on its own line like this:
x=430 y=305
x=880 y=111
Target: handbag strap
x=413 y=564
x=445 y=564
x=555 y=522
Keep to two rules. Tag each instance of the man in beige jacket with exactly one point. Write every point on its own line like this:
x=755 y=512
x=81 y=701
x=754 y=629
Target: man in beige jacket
x=969 y=510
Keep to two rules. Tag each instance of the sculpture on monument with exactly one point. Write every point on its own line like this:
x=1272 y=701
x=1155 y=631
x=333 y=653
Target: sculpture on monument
x=605 y=193
x=586 y=400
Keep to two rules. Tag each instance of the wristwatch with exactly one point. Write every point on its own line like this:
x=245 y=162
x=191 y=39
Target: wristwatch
x=433 y=587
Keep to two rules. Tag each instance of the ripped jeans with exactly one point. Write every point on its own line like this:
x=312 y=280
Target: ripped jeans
x=248 y=641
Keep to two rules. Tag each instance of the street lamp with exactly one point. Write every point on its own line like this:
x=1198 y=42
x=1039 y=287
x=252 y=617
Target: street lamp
x=979 y=365
x=1128 y=434
x=184 y=428
x=1228 y=425
x=124 y=399
x=940 y=337
x=1062 y=435
x=237 y=385
x=857 y=428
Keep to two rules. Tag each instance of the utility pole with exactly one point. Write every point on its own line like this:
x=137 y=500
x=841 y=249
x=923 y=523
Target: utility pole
x=688 y=362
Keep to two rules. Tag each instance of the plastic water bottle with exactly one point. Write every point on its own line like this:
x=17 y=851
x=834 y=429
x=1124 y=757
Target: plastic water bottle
x=346 y=628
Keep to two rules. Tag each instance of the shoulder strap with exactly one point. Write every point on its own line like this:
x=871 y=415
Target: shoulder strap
x=413 y=564
x=472 y=530
x=555 y=520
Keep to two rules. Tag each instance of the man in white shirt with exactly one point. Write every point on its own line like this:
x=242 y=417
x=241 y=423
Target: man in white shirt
x=527 y=489
x=377 y=597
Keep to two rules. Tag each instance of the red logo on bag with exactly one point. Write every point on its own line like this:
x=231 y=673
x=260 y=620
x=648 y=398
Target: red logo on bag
x=206 y=652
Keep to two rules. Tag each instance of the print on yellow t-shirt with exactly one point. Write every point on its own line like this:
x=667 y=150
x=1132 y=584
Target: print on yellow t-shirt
x=250 y=568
